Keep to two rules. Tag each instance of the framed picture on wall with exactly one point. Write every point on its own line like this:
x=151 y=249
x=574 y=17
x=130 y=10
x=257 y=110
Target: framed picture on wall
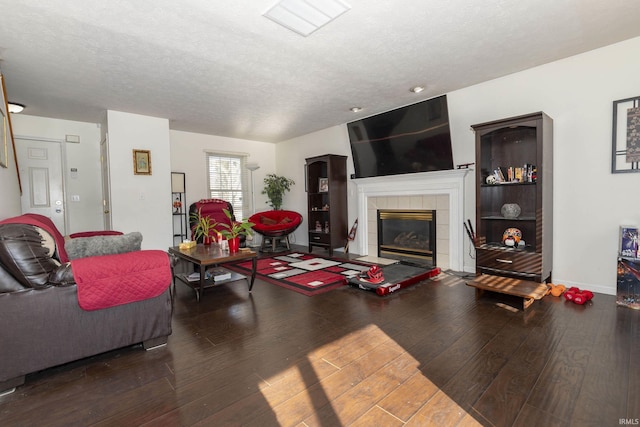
x=142 y=162
x=626 y=135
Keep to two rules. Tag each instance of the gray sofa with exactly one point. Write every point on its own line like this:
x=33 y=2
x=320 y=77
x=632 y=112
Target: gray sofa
x=43 y=323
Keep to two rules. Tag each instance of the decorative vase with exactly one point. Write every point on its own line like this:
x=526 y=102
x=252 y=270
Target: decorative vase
x=206 y=240
x=234 y=244
x=510 y=210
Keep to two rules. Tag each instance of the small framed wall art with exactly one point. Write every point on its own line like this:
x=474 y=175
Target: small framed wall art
x=626 y=136
x=142 y=162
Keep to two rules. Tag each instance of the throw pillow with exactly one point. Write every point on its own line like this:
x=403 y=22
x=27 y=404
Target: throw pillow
x=23 y=255
x=267 y=221
x=47 y=241
x=83 y=247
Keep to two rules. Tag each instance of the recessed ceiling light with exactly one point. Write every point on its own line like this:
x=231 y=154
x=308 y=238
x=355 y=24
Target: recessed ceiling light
x=15 y=108
x=306 y=16
x=417 y=89
x=356 y=109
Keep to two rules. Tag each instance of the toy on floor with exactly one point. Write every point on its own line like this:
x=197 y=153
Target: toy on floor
x=390 y=278
x=556 y=290
x=374 y=274
x=577 y=296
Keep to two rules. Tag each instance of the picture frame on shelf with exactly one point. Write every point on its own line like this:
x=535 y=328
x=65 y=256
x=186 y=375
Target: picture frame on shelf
x=323 y=185
x=141 y=162
x=626 y=136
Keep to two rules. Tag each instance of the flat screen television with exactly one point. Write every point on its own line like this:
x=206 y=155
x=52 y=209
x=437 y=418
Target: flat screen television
x=414 y=138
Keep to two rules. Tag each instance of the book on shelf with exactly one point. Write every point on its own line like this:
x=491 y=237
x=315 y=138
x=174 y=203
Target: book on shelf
x=512 y=174
x=219 y=274
x=195 y=276
x=215 y=274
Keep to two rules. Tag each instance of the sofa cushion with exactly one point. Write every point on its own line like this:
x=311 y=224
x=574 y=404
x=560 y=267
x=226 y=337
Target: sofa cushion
x=8 y=283
x=83 y=247
x=62 y=276
x=23 y=255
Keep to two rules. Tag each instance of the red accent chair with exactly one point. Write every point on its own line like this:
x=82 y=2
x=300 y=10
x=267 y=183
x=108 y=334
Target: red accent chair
x=213 y=208
x=274 y=226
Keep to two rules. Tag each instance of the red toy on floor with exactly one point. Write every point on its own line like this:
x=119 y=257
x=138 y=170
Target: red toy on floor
x=576 y=295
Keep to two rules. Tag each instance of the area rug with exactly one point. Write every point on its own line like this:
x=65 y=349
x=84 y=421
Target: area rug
x=305 y=273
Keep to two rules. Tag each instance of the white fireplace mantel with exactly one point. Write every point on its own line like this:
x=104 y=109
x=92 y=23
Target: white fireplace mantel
x=450 y=182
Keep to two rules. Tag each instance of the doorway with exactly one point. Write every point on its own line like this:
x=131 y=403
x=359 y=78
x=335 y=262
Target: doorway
x=40 y=167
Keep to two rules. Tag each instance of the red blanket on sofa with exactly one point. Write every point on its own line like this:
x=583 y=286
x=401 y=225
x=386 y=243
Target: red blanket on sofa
x=110 y=280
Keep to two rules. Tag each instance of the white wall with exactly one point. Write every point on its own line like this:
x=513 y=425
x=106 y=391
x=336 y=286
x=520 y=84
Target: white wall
x=85 y=214
x=188 y=155
x=590 y=203
x=140 y=202
x=291 y=157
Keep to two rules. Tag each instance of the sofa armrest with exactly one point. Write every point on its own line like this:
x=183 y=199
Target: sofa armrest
x=110 y=280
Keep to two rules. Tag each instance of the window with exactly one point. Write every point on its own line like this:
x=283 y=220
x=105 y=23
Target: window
x=228 y=181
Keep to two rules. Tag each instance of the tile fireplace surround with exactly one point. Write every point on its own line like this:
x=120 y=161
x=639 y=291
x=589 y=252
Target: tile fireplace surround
x=441 y=190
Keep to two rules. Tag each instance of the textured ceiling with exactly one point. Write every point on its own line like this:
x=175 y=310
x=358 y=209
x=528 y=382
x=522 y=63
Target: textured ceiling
x=221 y=68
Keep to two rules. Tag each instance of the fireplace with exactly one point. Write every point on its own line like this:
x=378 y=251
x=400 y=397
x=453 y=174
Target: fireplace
x=408 y=235
x=440 y=190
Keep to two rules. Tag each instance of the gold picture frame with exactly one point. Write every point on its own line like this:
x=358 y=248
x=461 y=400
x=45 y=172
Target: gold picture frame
x=141 y=162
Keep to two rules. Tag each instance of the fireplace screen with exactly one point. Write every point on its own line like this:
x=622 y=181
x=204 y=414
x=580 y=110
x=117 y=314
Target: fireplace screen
x=407 y=235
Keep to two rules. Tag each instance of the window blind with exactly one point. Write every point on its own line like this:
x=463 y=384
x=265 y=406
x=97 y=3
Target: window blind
x=228 y=180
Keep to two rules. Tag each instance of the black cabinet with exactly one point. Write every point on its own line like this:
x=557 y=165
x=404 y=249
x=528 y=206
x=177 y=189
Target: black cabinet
x=326 y=186
x=514 y=197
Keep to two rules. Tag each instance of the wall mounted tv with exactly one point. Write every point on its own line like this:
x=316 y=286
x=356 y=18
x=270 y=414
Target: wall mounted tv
x=411 y=139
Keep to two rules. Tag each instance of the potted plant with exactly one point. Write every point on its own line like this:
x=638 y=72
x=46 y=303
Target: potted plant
x=234 y=230
x=203 y=227
x=274 y=188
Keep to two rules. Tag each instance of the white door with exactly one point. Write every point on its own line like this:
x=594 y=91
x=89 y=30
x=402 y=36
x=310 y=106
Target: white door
x=40 y=164
x=106 y=190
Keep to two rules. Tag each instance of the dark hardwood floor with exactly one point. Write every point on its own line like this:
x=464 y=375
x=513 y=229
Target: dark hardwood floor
x=428 y=355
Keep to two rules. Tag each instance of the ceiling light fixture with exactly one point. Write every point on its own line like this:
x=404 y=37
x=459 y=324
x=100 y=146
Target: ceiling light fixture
x=417 y=89
x=356 y=109
x=14 y=107
x=306 y=16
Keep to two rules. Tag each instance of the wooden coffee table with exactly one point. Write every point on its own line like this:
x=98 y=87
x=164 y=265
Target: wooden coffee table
x=212 y=256
x=528 y=290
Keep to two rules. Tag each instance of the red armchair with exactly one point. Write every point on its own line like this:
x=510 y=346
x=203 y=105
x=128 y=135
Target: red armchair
x=275 y=225
x=213 y=208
